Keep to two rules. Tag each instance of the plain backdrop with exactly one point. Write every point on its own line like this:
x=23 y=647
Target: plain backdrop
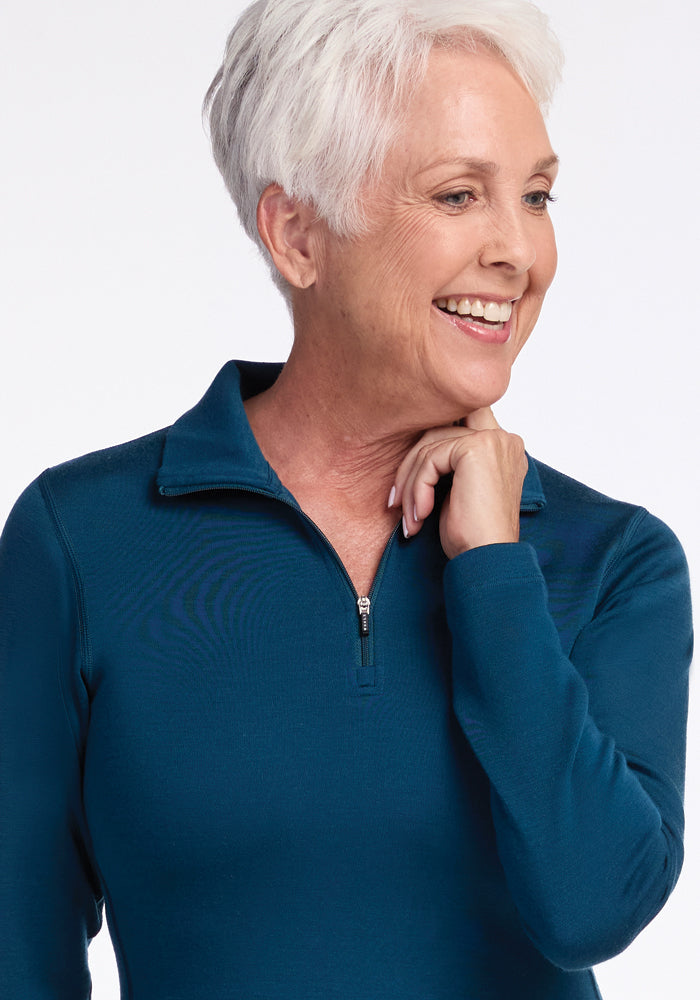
x=125 y=282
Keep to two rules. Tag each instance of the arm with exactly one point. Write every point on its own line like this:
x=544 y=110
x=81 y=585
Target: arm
x=49 y=903
x=584 y=754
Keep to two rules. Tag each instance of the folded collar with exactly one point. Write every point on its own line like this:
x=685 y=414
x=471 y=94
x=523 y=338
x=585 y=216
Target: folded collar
x=212 y=446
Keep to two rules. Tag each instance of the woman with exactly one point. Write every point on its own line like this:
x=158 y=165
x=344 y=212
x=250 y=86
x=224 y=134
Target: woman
x=334 y=692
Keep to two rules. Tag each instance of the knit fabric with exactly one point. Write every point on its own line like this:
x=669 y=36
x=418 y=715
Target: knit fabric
x=478 y=799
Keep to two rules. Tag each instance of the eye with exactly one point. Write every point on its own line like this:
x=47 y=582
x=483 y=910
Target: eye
x=538 y=200
x=456 y=199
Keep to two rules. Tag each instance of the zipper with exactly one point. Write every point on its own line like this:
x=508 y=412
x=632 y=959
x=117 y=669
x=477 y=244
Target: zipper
x=364 y=603
x=364 y=606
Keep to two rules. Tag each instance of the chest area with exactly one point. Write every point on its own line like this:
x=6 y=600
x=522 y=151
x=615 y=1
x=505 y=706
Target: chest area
x=359 y=539
x=235 y=699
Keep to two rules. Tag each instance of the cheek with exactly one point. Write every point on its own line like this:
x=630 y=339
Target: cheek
x=541 y=277
x=411 y=250
x=547 y=259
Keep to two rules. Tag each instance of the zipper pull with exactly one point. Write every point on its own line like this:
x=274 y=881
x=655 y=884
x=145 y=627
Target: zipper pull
x=363 y=607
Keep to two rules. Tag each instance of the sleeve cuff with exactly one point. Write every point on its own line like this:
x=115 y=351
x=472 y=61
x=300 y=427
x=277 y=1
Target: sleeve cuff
x=492 y=566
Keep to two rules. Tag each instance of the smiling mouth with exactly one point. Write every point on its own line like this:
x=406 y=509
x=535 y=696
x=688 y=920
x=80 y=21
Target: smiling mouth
x=490 y=315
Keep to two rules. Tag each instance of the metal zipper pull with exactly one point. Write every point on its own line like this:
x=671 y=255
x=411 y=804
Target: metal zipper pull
x=363 y=606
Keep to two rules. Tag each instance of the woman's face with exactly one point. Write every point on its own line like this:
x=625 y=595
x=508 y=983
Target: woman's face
x=458 y=219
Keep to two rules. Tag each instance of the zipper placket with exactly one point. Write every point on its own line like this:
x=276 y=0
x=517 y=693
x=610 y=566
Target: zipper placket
x=363 y=603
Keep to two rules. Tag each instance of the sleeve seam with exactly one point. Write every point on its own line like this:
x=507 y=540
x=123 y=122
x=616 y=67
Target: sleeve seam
x=78 y=592
x=630 y=530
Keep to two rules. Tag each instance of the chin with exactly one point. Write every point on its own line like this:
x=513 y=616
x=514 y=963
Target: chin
x=483 y=390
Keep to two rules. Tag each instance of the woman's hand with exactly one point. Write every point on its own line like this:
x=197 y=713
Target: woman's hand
x=483 y=505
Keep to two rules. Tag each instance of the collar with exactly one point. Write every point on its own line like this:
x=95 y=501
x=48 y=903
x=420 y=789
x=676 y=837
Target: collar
x=212 y=446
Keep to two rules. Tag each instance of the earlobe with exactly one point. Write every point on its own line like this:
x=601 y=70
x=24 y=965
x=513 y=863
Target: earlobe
x=286 y=228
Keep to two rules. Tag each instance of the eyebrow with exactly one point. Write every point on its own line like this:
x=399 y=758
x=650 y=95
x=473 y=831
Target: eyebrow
x=488 y=167
x=546 y=164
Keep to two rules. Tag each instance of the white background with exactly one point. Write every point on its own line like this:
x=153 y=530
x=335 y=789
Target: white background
x=125 y=282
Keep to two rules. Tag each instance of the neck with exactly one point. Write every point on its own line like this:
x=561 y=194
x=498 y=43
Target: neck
x=319 y=427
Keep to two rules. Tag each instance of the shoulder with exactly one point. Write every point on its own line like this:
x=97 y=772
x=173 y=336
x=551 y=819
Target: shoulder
x=564 y=492
x=94 y=490
x=87 y=493
x=625 y=537
x=572 y=501
x=120 y=465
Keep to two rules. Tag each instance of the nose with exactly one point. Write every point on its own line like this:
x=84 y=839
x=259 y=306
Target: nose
x=508 y=241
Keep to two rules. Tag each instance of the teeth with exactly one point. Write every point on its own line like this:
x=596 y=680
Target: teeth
x=492 y=312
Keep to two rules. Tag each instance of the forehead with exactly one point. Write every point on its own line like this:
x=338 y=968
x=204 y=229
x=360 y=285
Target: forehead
x=471 y=105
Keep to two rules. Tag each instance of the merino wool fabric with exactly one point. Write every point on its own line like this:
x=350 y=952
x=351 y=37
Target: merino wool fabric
x=479 y=798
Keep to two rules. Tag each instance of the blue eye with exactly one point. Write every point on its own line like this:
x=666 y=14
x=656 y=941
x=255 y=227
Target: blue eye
x=457 y=199
x=538 y=200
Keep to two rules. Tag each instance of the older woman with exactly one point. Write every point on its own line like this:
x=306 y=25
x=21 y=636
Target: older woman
x=329 y=690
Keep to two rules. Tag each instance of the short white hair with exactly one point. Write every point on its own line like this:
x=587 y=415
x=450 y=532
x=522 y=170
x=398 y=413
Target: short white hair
x=311 y=93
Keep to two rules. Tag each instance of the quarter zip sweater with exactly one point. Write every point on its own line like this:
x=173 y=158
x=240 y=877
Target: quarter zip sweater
x=473 y=792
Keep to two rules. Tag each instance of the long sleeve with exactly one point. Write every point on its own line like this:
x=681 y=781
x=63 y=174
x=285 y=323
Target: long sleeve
x=49 y=902
x=584 y=752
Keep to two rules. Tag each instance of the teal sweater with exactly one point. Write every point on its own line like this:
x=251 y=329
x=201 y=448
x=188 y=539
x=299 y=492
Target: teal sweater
x=470 y=791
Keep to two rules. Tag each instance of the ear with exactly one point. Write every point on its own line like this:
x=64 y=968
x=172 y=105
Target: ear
x=286 y=228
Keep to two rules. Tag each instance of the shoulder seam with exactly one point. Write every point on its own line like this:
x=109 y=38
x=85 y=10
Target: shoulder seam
x=630 y=528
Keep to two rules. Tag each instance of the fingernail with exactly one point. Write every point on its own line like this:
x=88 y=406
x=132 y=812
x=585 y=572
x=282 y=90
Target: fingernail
x=415 y=514
x=392 y=497
x=405 y=527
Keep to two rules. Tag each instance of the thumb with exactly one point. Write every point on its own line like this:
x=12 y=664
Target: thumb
x=481 y=420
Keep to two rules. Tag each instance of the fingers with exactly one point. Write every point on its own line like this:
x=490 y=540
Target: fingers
x=482 y=420
x=416 y=494
x=419 y=472
x=431 y=463
x=483 y=505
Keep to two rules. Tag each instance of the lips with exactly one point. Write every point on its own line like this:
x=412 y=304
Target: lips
x=485 y=320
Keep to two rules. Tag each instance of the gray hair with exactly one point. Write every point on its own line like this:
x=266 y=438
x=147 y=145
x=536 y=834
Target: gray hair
x=311 y=93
